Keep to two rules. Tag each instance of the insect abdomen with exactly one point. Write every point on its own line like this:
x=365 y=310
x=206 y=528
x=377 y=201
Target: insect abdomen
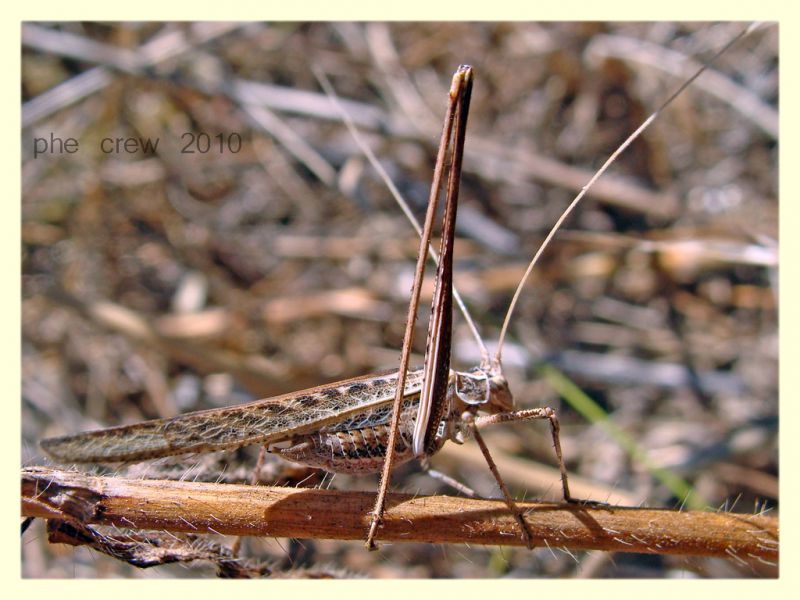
x=356 y=450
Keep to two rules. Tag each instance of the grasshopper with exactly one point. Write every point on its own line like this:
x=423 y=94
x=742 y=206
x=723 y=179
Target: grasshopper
x=341 y=427
x=344 y=427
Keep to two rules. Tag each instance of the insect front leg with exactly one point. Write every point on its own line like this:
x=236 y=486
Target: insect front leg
x=529 y=415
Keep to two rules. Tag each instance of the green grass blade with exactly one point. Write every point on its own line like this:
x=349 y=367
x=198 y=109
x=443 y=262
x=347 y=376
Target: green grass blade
x=594 y=413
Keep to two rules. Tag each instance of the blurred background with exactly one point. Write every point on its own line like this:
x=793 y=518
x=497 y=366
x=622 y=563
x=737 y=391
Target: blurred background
x=254 y=251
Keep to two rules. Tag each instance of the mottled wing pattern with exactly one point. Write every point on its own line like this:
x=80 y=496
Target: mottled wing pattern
x=260 y=422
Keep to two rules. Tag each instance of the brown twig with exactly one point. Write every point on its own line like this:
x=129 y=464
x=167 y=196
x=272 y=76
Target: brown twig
x=328 y=514
x=155 y=549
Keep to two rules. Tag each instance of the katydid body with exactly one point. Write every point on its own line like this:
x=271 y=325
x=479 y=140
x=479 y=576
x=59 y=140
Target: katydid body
x=341 y=427
x=364 y=425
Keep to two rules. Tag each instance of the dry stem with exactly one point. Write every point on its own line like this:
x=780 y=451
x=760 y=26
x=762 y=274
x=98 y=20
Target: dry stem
x=312 y=513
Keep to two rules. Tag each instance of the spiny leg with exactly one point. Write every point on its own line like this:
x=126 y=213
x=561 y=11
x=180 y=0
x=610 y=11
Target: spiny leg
x=431 y=405
x=471 y=422
x=523 y=415
x=555 y=429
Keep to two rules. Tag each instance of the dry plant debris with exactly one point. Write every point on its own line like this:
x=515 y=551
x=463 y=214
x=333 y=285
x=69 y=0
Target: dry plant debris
x=160 y=283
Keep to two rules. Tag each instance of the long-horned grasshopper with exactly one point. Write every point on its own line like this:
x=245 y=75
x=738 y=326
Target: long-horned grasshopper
x=354 y=386
x=344 y=427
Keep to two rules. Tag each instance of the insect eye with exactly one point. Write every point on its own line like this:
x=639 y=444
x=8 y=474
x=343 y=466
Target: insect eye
x=472 y=389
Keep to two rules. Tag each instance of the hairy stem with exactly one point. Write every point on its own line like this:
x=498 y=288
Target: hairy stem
x=328 y=514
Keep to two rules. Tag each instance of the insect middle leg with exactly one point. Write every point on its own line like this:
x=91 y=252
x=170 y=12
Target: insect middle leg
x=449 y=481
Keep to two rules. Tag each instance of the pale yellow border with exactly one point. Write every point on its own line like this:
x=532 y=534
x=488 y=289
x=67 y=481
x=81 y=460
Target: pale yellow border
x=405 y=10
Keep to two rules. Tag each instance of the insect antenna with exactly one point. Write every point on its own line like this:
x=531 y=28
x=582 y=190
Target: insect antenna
x=496 y=361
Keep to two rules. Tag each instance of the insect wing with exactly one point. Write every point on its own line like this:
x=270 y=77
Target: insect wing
x=260 y=422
